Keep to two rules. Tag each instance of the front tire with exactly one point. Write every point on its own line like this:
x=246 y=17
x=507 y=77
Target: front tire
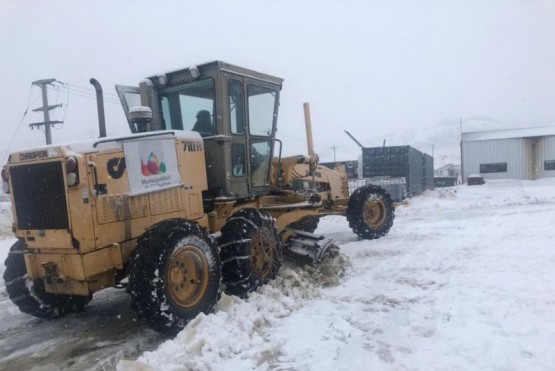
x=250 y=250
x=370 y=212
x=30 y=295
x=175 y=274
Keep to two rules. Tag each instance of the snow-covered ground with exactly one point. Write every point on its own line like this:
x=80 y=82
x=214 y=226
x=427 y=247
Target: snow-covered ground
x=463 y=281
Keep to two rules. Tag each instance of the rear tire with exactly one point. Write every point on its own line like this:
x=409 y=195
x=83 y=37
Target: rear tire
x=30 y=295
x=250 y=250
x=174 y=275
x=370 y=212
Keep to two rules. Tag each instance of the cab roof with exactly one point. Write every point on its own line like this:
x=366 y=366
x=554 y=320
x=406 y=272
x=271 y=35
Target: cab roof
x=175 y=77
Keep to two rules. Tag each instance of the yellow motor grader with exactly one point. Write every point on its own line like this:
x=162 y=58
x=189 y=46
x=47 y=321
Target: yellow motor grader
x=196 y=200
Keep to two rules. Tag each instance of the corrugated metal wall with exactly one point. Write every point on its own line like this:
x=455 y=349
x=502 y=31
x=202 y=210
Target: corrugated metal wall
x=546 y=152
x=525 y=157
x=428 y=171
x=511 y=151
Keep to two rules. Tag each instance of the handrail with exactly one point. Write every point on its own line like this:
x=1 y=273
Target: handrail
x=122 y=139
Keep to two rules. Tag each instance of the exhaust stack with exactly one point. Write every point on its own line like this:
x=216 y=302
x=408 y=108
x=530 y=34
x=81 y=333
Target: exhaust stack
x=100 y=106
x=308 y=124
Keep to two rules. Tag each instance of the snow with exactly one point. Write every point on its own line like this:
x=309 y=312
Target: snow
x=463 y=281
x=77 y=148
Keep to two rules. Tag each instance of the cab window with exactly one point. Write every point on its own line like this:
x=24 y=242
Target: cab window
x=262 y=103
x=260 y=158
x=189 y=107
x=238 y=159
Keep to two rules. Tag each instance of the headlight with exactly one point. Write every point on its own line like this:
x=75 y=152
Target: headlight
x=72 y=172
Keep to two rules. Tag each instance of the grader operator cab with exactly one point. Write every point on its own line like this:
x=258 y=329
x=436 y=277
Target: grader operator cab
x=196 y=200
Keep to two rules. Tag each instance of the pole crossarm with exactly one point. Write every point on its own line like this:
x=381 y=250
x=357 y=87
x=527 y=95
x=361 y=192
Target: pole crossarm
x=43 y=82
x=48 y=108
x=38 y=124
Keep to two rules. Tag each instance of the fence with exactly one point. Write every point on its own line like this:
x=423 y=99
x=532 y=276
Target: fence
x=498 y=184
x=396 y=187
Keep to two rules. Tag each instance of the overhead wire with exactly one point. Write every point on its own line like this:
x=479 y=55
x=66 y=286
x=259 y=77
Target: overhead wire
x=89 y=94
x=86 y=90
x=84 y=94
x=29 y=103
x=57 y=100
x=67 y=103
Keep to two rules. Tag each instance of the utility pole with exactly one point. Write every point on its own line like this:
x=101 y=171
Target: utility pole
x=334 y=148
x=45 y=110
x=462 y=156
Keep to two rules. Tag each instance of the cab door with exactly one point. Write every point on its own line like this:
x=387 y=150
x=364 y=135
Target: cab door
x=262 y=105
x=251 y=120
x=237 y=126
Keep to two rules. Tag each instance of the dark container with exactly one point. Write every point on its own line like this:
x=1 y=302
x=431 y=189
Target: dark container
x=399 y=161
x=475 y=180
x=445 y=181
x=428 y=171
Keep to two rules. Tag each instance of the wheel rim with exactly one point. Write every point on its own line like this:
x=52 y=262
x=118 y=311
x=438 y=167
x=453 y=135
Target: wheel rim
x=374 y=212
x=262 y=250
x=188 y=276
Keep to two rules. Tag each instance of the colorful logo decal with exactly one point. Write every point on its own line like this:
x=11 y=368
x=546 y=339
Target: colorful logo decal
x=152 y=166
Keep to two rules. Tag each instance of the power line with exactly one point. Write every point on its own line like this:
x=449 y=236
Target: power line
x=87 y=90
x=84 y=95
x=29 y=103
x=67 y=104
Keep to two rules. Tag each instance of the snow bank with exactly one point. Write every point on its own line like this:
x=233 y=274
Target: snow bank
x=236 y=335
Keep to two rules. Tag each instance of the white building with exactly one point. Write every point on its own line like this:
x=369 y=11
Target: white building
x=509 y=154
x=448 y=170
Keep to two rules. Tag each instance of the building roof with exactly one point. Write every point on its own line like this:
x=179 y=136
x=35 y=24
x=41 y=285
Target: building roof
x=507 y=134
x=449 y=166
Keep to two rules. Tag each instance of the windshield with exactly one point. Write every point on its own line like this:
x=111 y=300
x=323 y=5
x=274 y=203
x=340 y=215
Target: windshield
x=189 y=107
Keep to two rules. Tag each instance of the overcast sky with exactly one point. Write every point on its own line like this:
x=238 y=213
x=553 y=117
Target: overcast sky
x=405 y=71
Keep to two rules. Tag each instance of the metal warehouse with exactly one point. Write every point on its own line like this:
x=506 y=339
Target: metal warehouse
x=509 y=154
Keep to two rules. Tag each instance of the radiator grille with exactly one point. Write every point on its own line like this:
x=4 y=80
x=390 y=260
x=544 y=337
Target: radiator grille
x=40 y=197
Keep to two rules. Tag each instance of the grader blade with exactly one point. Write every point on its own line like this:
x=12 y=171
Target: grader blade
x=309 y=248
